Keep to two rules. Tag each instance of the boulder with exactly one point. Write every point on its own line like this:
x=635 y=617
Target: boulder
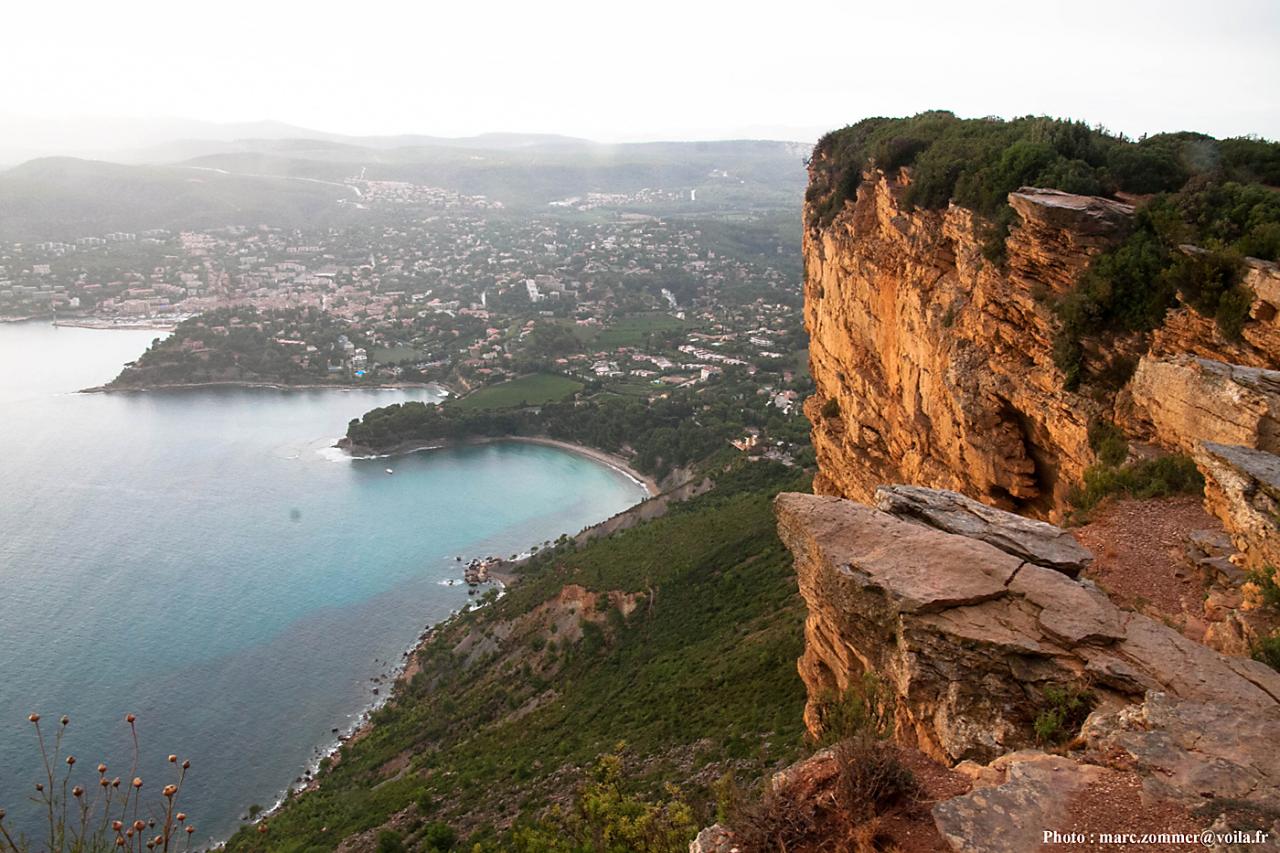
x=713 y=839
x=1189 y=751
x=1034 y=541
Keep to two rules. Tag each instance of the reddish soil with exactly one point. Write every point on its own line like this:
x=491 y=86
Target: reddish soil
x=1114 y=805
x=1138 y=557
x=912 y=830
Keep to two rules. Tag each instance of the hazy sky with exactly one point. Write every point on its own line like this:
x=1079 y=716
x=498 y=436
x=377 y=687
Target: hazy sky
x=654 y=69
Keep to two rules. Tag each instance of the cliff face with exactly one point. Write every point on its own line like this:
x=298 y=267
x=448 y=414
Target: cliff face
x=934 y=367
x=940 y=362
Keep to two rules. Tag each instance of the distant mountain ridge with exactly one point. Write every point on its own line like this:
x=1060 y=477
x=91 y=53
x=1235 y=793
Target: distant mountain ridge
x=295 y=181
x=171 y=140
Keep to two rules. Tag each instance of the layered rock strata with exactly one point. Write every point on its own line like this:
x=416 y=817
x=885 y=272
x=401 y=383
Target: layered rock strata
x=934 y=366
x=1242 y=488
x=969 y=634
x=1179 y=401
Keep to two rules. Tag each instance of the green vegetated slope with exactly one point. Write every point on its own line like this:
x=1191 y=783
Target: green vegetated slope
x=243 y=345
x=1222 y=196
x=691 y=663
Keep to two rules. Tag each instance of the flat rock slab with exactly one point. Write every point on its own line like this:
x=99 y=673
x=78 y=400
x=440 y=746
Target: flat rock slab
x=921 y=570
x=1031 y=540
x=1085 y=214
x=970 y=636
x=1258 y=465
x=1070 y=611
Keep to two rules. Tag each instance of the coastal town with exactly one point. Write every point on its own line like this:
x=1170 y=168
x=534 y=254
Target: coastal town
x=445 y=289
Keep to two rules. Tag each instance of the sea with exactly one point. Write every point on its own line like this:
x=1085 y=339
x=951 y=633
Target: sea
x=207 y=561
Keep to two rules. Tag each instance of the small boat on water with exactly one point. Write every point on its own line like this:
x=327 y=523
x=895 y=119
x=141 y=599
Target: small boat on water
x=389 y=471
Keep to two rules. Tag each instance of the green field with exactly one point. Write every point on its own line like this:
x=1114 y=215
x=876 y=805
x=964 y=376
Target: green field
x=532 y=390
x=634 y=330
x=392 y=355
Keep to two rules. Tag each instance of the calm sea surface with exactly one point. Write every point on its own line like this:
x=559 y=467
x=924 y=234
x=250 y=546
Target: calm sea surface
x=203 y=560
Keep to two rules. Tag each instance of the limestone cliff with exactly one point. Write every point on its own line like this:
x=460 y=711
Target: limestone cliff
x=934 y=369
x=934 y=365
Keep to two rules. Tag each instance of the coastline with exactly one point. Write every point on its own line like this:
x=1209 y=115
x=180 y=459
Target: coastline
x=404 y=669
x=617 y=463
x=107 y=325
x=408 y=665
x=270 y=386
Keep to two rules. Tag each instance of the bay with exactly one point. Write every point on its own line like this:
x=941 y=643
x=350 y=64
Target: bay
x=205 y=560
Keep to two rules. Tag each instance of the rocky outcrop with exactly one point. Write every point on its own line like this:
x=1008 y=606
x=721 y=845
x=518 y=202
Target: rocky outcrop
x=934 y=366
x=968 y=635
x=1030 y=540
x=1185 y=331
x=938 y=361
x=1242 y=488
x=1184 y=399
x=1059 y=234
x=1188 y=750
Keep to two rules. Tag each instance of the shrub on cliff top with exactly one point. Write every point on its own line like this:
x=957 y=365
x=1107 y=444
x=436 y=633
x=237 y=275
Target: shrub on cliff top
x=978 y=162
x=1130 y=287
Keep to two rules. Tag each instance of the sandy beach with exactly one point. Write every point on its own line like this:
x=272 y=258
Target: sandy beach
x=614 y=461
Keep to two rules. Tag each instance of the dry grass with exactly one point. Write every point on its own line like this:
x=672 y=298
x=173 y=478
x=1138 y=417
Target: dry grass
x=86 y=813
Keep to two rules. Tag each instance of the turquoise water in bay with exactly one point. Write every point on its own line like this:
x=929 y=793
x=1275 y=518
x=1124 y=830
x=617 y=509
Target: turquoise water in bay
x=204 y=560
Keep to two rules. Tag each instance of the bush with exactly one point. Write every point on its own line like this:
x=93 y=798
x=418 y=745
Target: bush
x=1267 y=650
x=1264 y=587
x=1064 y=710
x=776 y=820
x=438 y=838
x=603 y=817
x=1208 y=281
x=1108 y=441
x=871 y=779
x=866 y=708
x=389 y=841
x=1122 y=290
x=831 y=408
x=1149 y=478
